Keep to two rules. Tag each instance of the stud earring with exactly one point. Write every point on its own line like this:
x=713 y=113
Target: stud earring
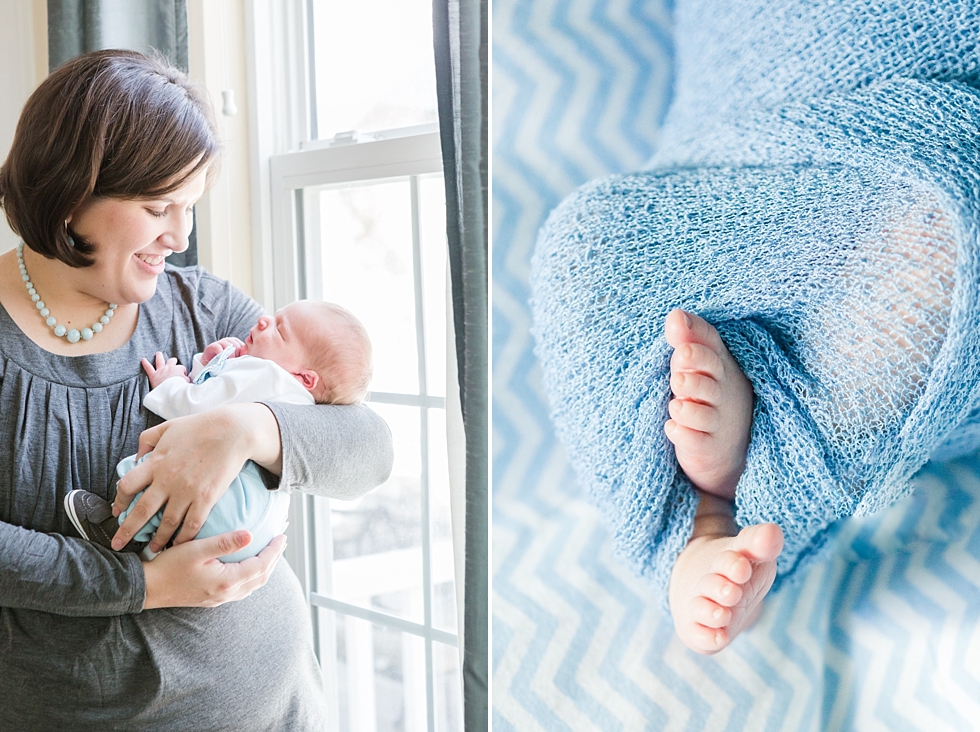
x=71 y=239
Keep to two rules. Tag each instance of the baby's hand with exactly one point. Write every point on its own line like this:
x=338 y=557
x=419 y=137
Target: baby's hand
x=217 y=347
x=164 y=369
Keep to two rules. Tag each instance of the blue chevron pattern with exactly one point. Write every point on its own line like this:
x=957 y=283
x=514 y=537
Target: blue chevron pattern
x=884 y=636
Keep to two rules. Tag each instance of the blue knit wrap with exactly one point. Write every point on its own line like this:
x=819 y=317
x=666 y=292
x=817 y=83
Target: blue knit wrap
x=816 y=197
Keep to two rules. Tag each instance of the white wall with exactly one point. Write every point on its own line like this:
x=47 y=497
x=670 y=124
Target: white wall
x=23 y=58
x=216 y=29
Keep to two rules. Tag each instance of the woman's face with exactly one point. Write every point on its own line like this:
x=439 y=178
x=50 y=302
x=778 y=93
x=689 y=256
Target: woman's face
x=132 y=239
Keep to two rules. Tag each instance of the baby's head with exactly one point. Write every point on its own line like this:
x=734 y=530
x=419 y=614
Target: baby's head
x=323 y=345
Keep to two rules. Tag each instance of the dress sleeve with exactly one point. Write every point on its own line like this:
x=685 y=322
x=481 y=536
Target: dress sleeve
x=67 y=576
x=332 y=450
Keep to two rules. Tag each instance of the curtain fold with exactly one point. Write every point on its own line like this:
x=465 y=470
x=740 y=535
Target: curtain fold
x=149 y=26
x=460 y=39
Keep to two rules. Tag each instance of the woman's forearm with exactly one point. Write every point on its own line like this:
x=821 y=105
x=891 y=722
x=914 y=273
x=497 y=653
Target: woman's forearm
x=66 y=576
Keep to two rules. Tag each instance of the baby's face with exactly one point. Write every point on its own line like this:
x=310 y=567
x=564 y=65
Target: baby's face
x=281 y=338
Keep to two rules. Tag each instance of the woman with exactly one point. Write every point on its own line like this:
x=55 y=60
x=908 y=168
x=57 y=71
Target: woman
x=110 y=155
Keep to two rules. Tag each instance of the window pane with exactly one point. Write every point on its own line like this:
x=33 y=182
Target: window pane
x=377 y=539
x=375 y=67
x=380 y=676
x=440 y=526
x=366 y=254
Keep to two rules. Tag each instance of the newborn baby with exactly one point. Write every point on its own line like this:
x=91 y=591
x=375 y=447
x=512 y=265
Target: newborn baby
x=309 y=352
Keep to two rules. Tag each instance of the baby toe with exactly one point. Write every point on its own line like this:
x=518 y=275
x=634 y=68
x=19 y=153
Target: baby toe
x=707 y=640
x=687 y=385
x=720 y=589
x=695 y=358
x=694 y=416
x=710 y=614
x=734 y=566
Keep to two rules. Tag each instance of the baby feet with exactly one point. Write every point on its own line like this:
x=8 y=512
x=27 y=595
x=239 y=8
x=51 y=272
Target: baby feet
x=711 y=412
x=721 y=578
x=718 y=584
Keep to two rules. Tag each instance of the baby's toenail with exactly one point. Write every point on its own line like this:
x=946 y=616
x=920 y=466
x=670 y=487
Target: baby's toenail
x=726 y=590
x=717 y=639
x=687 y=320
x=716 y=614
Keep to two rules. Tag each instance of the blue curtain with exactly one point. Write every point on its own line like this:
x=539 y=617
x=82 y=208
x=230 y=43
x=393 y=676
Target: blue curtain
x=460 y=40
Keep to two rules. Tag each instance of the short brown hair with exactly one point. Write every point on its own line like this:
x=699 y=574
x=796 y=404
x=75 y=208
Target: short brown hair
x=108 y=124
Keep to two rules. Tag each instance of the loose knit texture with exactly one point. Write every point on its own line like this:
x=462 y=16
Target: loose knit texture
x=816 y=197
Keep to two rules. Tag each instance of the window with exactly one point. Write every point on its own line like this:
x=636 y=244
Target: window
x=357 y=216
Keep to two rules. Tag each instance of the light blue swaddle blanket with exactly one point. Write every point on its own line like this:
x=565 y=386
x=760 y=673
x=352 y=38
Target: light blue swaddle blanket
x=816 y=197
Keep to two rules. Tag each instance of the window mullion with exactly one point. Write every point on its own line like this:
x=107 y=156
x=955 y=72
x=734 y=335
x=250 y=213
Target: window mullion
x=423 y=445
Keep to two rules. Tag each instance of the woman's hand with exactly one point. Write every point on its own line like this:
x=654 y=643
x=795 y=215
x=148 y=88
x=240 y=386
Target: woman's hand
x=191 y=462
x=191 y=575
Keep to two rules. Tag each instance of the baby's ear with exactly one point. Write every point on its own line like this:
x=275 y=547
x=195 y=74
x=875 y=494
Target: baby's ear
x=309 y=379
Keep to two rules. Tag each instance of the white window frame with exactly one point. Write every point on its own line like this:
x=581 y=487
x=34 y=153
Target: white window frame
x=285 y=162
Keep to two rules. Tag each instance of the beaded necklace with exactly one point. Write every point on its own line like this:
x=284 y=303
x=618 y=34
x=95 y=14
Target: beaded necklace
x=72 y=335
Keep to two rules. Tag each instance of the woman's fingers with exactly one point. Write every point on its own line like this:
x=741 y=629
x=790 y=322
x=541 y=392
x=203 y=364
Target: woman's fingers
x=191 y=462
x=194 y=517
x=192 y=576
x=148 y=440
x=174 y=517
x=130 y=484
x=257 y=569
x=222 y=544
x=142 y=511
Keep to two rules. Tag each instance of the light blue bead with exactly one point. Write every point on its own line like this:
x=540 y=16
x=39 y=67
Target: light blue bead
x=45 y=312
x=35 y=297
x=109 y=313
x=60 y=330
x=113 y=306
x=51 y=322
x=25 y=278
x=87 y=334
x=32 y=290
x=39 y=304
x=73 y=336
x=104 y=319
x=97 y=327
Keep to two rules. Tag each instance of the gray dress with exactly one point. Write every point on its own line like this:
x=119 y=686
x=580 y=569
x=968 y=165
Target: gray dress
x=76 y=650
